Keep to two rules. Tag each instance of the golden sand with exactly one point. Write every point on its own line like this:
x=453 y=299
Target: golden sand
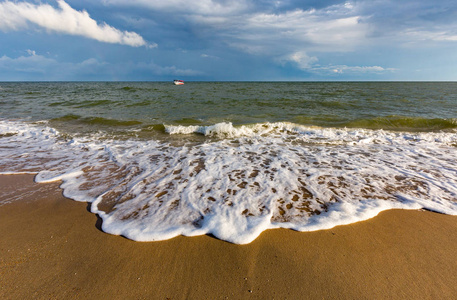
x=52 y=248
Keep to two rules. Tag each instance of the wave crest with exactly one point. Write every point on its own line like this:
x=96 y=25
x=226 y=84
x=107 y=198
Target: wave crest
x=313 y=134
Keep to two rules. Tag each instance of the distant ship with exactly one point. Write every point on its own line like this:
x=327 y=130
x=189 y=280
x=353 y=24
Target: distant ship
x=178 y=82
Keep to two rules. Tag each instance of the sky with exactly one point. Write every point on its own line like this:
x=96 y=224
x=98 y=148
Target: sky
x=228 y=40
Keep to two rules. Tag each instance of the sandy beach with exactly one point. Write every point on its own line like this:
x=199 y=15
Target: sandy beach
x=53 y=248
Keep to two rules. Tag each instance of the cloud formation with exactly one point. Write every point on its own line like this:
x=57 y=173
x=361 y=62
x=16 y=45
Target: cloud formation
x=34 y=64
x=64 y=19
x=284 y=33
x=279 y=28
x=335 y=28
x=39 y=67
x=311 y=30
x=241 y=39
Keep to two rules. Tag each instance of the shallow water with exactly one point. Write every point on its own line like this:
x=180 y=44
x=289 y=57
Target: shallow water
x=233 y=159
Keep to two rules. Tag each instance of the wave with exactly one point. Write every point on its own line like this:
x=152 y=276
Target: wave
x=128 y=89
x=83 y=104
x=401 y=123
x=310 y=134
x=69 y=117
x=95 y=121
x=142 y=103
x=264 y=176
x=111 y=122
x=93 y=103
x=227 y=129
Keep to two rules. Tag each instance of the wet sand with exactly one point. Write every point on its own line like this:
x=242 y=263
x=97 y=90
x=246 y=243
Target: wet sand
x=52 y=248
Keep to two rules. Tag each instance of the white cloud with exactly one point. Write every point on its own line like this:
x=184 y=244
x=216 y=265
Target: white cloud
x=309 y=30
x=200 y=7
x=28 y=64
x=344 y=69
x=39 y=67
x=258 y=29
x=300 y=58
x=307 y=63
x=31 y=52
x=204 y=55
x=431 y=34
x=337 y=28
x=64 y=19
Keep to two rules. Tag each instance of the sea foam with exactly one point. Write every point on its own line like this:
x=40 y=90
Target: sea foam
x=242 y=180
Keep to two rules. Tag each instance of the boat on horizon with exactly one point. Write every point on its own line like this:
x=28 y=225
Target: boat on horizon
x=178 y=82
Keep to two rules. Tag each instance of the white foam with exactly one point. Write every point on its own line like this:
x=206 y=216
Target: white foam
x=251 y=178
x=64 y=177
x=313 y=134
x=18 y=173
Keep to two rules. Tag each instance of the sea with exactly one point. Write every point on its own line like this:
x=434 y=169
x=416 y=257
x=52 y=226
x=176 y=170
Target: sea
x=233 y=159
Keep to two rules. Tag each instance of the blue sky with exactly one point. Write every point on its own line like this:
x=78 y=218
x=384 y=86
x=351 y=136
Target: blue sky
x=228 y=40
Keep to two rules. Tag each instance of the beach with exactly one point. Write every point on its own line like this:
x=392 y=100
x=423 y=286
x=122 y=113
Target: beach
x=53 y=248
x=234 y=159
x=228 y=150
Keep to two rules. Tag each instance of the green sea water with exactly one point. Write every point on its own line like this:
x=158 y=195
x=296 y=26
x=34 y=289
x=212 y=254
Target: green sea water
x=113 y=106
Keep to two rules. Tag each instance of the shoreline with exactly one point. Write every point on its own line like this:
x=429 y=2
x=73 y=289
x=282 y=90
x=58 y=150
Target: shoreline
x=52 y=247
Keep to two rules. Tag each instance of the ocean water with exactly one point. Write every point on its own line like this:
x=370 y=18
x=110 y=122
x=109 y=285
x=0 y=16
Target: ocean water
x=233 y=159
